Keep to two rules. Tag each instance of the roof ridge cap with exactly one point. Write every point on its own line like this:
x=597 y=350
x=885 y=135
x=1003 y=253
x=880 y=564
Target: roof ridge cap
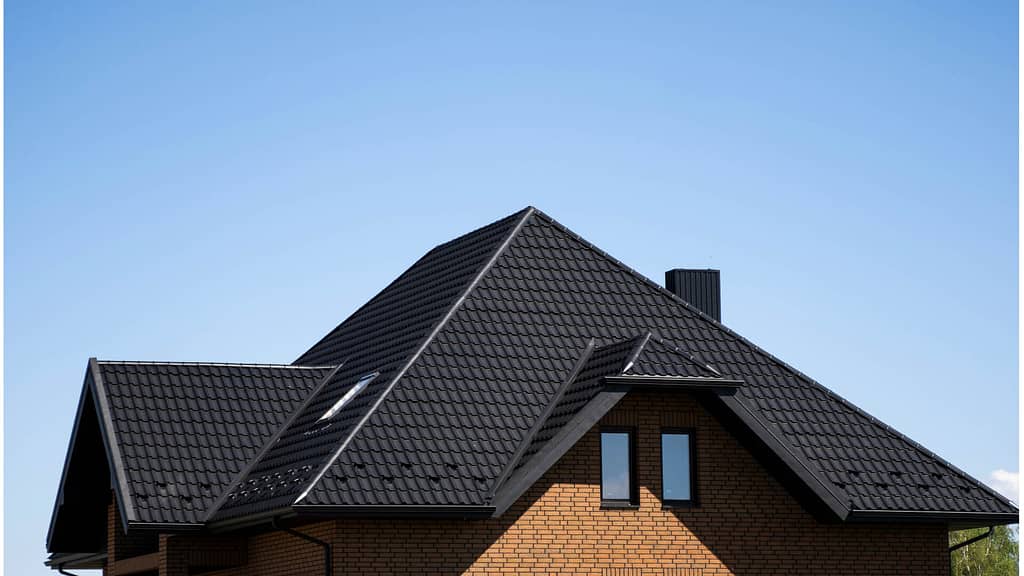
x=526 y=214
x=686 y=355
x=196 y=363
x=641 y=343
x=332 y=331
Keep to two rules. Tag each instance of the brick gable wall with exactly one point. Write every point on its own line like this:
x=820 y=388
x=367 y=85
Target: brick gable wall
x=746 y=523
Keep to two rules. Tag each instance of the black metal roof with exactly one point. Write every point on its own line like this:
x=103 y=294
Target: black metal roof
x=179 y=433
x=474 y=345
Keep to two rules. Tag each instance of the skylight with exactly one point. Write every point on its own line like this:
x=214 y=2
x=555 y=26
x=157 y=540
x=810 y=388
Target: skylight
x=362 y=383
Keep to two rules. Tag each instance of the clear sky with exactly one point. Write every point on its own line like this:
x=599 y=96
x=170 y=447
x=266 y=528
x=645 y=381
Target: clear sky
x=226 y=181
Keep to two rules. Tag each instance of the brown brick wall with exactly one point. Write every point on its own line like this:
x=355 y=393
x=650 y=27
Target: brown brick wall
x=746 y=523
x=121 y=545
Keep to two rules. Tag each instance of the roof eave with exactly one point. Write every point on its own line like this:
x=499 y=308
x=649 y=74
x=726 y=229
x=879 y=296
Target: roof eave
x=76 y=561
x=954 y=519
x=250 y=520
x=720 y=385
x=395 y=511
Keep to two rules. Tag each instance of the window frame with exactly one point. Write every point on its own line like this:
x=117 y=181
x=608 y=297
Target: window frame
x=691 y=434
x=634 y=493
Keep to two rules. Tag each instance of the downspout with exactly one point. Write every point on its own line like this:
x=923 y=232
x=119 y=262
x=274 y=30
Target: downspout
x=325 y=545
x=60 y=570
x=978 y=538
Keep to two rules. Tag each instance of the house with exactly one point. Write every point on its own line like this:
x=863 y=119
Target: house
x=518 y=402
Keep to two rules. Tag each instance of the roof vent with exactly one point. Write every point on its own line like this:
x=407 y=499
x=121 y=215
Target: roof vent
x=699 y=288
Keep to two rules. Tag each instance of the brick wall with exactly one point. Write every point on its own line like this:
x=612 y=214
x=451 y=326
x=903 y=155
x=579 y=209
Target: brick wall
x=746 y=523
x=121 y=545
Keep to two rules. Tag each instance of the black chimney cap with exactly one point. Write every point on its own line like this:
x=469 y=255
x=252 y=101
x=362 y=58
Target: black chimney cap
x=699 y=288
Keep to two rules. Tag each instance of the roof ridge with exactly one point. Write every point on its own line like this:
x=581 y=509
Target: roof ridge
x=225 y=364
x=849 y=405
x=687 y=355
x=523 y=215
x=641 y=343
x=394 y=281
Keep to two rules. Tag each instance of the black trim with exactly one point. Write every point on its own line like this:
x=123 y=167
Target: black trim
x=250 y=520
x=634 y=492
x=954 y=519
x=691 y=436
x=618 y=505
x=125 y=504
x=968 y=542
x=834 y=498
x=554 y=449
x=166 y=526
x=542 y=419
x=425 y=511
x=77 y=560
x=721 y=385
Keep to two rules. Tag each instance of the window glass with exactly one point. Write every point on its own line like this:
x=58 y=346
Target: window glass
x=615 y=466
x=675 y=466
x=362 y=383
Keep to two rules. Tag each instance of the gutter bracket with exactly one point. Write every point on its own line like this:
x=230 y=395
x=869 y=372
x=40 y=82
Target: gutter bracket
x=325 y=545
x=978 y=538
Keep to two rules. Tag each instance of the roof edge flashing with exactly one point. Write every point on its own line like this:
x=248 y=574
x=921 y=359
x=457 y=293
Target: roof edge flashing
x=121 y=488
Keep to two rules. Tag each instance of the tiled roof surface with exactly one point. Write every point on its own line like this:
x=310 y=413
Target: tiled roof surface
x=382 y=336
x=473 y=345
x=186 y=430
x=608 y=360
x=659 y=358
x=446 y=430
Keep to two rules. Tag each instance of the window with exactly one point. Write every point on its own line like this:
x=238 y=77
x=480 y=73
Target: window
x=677 y=468
x=362 y=383
x=618 y=478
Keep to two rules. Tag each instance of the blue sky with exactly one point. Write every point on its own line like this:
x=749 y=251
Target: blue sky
x=226 y=181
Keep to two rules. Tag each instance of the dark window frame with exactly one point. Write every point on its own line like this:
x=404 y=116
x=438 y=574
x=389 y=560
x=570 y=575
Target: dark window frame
x=691 y=434
x=634 y=492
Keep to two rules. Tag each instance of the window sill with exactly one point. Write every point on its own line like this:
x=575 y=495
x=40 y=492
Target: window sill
x=678 y=505
x=619 y=506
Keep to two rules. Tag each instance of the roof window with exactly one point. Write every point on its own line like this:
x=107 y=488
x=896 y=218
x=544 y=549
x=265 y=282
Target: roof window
x=362 y=383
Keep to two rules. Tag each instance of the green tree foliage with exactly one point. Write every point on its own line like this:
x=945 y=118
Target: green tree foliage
x=993 y=556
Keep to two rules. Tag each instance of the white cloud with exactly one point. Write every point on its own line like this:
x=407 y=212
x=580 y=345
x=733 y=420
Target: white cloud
x=1006 y=483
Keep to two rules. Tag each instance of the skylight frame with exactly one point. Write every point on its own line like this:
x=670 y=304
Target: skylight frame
x=347 y=397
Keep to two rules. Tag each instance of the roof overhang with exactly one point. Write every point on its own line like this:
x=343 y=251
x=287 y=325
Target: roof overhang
x=395 y=511
x=956 y=520
x=723 y=386
x=76 y=561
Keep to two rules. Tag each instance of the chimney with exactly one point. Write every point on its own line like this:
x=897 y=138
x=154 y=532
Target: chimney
x=699 y=288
